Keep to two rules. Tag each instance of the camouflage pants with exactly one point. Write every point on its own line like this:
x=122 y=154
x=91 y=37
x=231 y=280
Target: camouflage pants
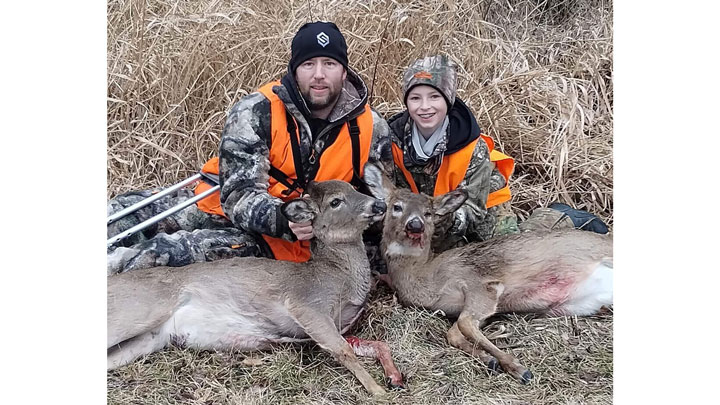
x=188 y=236
x=545 y=219
x=541 y=219
x=505 y=220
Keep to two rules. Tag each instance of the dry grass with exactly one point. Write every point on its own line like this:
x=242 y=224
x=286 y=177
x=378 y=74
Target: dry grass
x=538 y=74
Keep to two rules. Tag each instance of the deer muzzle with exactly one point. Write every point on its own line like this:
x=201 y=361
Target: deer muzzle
x=415 y=225
x=379 y=207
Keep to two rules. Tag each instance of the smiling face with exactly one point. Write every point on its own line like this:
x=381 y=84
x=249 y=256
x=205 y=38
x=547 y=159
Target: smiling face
x=320 y=80
x=427 y=108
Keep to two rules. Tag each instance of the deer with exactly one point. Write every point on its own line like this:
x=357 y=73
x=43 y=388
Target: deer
x=552 y=273
x=250 y=303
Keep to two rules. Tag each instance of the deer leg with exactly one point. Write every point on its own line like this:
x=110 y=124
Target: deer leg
x=469 y=326
x=125 y=352
x=380 y=351
x=322 y=330
x=478 y=307
x=456 y=339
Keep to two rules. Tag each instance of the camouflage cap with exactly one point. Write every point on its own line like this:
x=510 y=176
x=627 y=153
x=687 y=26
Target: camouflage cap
x=437 y=71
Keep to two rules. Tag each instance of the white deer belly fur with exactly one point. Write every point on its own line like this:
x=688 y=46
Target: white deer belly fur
x=214 y=325
x=559 y=291
x=593 y=293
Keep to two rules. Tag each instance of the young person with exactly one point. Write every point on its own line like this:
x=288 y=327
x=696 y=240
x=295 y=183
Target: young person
x=438 y=146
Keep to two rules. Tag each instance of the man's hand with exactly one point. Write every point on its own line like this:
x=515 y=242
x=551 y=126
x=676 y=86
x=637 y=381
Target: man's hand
x=303 y=231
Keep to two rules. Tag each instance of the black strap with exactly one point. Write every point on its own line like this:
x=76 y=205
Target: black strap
x=300 y=182
x=295 y=144
x=355 y=143
x=282 y=178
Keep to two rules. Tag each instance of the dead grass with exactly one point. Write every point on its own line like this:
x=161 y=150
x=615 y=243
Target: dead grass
x=537 y=73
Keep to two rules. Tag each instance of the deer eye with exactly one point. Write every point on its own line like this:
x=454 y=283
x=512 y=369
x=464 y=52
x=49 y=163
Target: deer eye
x=397 y=207
x=428 y=214
x=335 y=202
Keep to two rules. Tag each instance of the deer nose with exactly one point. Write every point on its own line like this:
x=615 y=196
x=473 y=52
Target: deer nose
x=379 y=207
x=415 y=225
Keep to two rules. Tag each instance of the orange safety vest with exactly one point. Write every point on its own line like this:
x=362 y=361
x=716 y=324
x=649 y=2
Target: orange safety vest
x=454 y=166
x=334 y=164
x=211 y=203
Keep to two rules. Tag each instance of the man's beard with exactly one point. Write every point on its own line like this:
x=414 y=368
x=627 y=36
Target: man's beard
x=322 y=103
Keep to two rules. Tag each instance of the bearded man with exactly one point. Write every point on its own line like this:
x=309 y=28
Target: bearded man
x=312 y=124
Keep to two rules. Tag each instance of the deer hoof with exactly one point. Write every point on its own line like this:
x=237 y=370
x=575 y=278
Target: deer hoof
x=396 y=385
x=493 y=365
x=526 y=377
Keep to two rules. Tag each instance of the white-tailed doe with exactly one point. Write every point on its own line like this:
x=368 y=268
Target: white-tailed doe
x=250 y=303
x=566 y=272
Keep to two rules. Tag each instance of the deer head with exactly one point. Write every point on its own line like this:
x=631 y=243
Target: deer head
x=410 y=222
x=338 y=212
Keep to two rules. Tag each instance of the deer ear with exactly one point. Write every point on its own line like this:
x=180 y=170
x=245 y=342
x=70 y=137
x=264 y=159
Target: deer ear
x=299 y=210
x=376 y=180
x=449 y=202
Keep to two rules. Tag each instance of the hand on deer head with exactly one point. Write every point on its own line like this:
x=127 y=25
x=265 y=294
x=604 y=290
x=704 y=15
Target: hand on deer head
x=301 y=222
x=302 y=231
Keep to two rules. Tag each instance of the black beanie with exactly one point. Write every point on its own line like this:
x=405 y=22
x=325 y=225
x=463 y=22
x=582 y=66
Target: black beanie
x=318 y=39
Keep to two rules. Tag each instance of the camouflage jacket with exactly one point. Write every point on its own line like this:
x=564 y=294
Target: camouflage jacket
x=472 y=221
x=244 y=162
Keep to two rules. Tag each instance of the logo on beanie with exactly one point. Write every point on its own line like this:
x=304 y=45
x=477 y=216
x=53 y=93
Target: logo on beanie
x=323 y=39
x=422 y=75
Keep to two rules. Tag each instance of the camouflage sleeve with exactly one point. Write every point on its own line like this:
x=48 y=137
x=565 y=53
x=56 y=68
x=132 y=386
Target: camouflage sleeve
x=502 y=216
x=244 y=167
x=472 y=219
x=497 y=181
x=381 y=150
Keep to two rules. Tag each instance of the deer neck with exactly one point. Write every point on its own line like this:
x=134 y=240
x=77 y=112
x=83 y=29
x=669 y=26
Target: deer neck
x=346 y=266
x=346 y=257
x=411 y=275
